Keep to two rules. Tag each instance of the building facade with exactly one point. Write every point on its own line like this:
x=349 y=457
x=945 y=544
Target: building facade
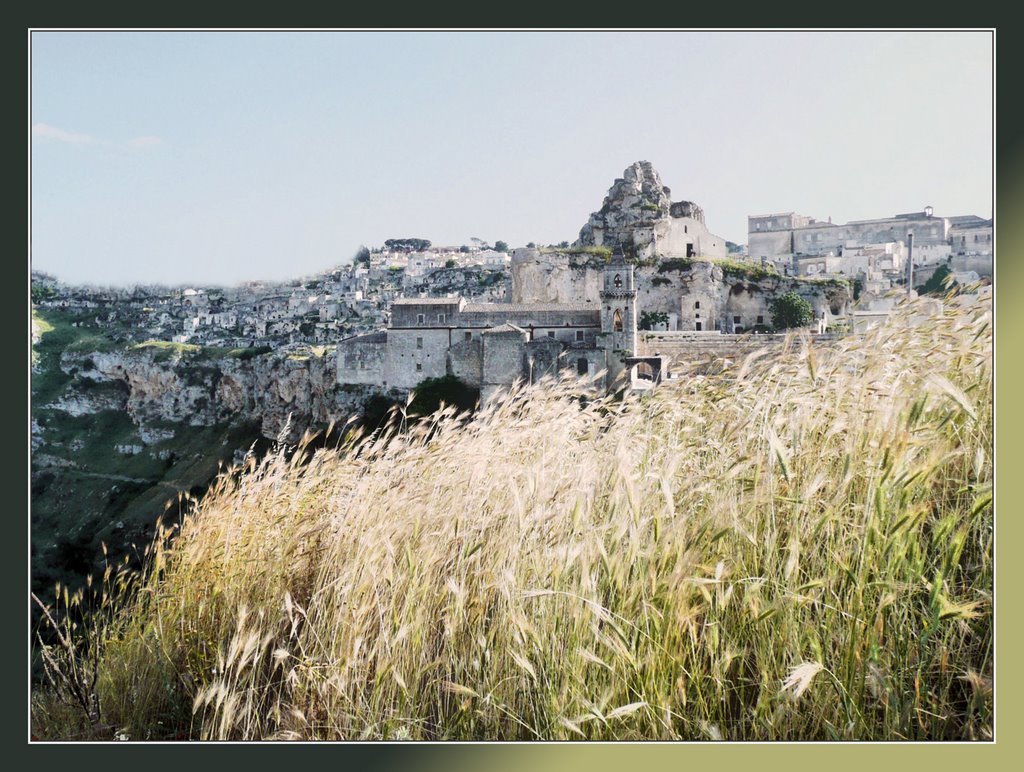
x=492 y=345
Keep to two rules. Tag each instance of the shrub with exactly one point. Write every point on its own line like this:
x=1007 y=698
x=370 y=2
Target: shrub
x=675 y=264
x=648 y=319
x=791 y=310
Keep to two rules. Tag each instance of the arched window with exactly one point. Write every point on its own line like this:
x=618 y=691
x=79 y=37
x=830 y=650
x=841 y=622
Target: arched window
x=644 y=371
x=617 y=321
x=617 y=281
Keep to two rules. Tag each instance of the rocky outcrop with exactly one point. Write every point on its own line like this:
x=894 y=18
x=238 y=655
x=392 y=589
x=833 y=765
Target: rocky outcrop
x=635 y=202
x=639 y=219
x=294 y=390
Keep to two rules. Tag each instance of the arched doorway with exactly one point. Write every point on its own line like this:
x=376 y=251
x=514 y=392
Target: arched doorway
x=617 y=321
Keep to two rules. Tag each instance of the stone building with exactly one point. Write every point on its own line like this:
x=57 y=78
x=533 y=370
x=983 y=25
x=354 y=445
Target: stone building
x=491 y=345
x=788 y=238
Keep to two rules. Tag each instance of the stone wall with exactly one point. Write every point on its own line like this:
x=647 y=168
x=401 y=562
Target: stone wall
x=503 y=360
x=413 y=355
x=465 y=361
x=686 y=350
x=361 y=359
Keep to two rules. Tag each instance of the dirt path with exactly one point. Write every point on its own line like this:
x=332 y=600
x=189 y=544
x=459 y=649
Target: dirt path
x=122 y=478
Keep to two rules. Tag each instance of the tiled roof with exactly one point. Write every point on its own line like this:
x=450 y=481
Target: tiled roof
x=504 y=328
x=525 y=308
x=425 y=301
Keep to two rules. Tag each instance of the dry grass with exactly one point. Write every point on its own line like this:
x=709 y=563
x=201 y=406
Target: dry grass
x=798 y=549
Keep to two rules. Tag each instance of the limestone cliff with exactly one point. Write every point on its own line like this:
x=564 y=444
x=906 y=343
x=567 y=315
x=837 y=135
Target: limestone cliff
x=635 y=202
x=725 y=289
x=203 y=391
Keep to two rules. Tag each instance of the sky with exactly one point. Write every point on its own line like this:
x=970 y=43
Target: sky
x=219 y=157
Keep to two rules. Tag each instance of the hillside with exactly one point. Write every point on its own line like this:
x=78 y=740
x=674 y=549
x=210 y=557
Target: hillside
x=98 y=478
x=799 y=548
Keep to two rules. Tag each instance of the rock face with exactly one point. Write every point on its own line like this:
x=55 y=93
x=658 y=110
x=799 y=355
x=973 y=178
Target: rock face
x=544 y=277
x=674 y=286
x=635 y=202
x=639 y=219
x=296 y=391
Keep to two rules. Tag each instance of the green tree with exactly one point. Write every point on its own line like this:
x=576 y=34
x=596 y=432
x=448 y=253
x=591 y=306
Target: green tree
x=940 y=282
x=362 y=255
x=790 y=311
x=648 y=319
x=500 y=246
x=449 y=263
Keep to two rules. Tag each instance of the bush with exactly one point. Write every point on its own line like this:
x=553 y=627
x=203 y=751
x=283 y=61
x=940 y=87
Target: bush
x=430 y=393
x=648 y=319
x=940 y=282
x=791 y=311
x=675 y=264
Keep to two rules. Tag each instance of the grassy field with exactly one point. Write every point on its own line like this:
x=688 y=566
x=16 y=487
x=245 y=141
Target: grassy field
x=799 y=549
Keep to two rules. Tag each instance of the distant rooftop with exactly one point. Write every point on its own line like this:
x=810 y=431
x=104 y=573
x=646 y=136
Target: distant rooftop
x=497 y=308
x=504 y=329
x=424 y=301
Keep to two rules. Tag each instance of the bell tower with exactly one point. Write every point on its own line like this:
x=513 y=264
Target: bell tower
x=618 y=307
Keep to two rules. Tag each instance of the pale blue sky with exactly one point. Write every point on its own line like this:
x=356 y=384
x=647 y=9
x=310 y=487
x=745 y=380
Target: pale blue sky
x=206 y=157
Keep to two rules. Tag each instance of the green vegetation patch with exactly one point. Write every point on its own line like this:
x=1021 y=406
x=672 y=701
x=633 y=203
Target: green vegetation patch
x=675 y=264
x=745 y=270
x=602 y=251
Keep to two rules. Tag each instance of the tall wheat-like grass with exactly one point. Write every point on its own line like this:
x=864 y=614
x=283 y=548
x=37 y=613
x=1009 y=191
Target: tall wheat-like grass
x=799 y=548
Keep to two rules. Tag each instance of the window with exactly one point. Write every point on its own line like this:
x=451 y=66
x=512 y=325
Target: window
x=696 y=316
x=579 y=335
x=581 y=367
x=697 y=304
x=469 y=336
x=419 y=343
x=736 y=320
x=419 y=318
x=551 y=333
x=440 y=318
x=760 y=320
x=617 y=281
x=686 y=229
x=419 y=367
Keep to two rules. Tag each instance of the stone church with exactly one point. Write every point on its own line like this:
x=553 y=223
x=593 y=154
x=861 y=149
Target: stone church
x=491 y=345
